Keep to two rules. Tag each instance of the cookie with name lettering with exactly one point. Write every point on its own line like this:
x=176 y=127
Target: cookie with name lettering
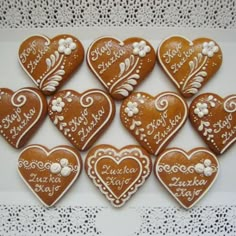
x=153 y=121
x=118 y=173
x=189 y=64
x=120 y=65
x=50 y=62
x=214 y=118
x=187 y=175
x=49 y=173
x=21 y=113
x=81 y=117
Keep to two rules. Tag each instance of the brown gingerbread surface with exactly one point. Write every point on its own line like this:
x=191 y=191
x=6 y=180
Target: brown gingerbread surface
x=50 y=62
x=189 y=64
x=121 y=65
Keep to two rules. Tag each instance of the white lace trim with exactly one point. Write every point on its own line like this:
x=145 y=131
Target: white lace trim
x=159 y=13
x=166 y=221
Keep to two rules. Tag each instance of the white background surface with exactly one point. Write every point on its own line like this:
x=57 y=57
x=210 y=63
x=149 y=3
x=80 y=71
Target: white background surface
x=83 y=192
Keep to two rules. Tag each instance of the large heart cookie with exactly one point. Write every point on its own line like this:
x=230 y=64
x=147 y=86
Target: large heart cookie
x=187 y=176
x=50 y=62
x=189 y=64
x=21 y=113
x=82 y=118
x=49 y=173
x=121 y=65
x=118 y=173
x=153 y=121
x=214 y=118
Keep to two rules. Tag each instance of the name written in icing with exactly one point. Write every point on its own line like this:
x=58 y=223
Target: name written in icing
x=83 y=132
x=48 y=185
x=182 y=190
x=177 y=54
x=116 y=176
x=169 y=124
x=17 y=121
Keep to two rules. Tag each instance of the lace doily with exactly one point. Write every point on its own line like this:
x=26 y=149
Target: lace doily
x=164 y=221
x=159 y=13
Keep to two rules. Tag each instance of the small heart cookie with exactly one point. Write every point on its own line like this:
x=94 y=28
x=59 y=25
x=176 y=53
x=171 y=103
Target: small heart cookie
x=153 y=121
x=118 y=173
x=187 y=175
x=214 y=118
x=81 y=118
x=189 y=64
x=21 y=114
x=50 y=62
x=121 y=65
x=49 y=173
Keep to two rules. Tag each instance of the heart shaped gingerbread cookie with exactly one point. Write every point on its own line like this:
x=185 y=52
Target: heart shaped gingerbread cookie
x=49 y=173
x=121 y=65
x=81 y=118
x=21 y=114
x=187 y=175
x=153 y=121
x=50 y=62
x=214 y=118
x=189 y=64
x=118 y=173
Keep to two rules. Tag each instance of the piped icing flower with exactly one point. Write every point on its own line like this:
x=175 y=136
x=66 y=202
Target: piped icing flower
x=204 y=168
x=61 y=168
x=209 y=49
x=131 y=109
x=57 y=104
x=66 y=46
x=201 y=109
x=141 y=48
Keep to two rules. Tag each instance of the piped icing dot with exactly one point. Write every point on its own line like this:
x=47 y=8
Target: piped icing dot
x=64 y=162
x=55 y=168
x=66 y=171
x=199 y=168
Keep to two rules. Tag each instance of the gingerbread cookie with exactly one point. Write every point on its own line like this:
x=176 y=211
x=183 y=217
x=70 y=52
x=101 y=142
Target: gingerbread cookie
x=118 y=173
x=214 y=118
x=187 y=175
x=49 y=173
x=189 y=64
x=121 y=65
x=81 y=118
x=21 y=113
x=153 y=121
x=50 y=62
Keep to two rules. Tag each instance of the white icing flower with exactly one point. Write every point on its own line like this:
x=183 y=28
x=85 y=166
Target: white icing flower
x=208 y=171
x=141 y=48
x=66 y=46
x=209 y=49
x=131 y=109
x=64 y=162
x=199 y=168
x=57 y=104
x=55 y=168
x=201 y=109
x=207 y=162
x=66 y=171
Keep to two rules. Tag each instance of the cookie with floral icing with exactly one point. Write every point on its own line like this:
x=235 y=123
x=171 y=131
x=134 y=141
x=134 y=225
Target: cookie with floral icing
x=118 y=173
x=50 y=62
x=189 y=64
x=49 y=173
x=120 y=65
x=214 y=118
x=81 y=118
x=153 y=121
x=21 y=113
x=187 y=175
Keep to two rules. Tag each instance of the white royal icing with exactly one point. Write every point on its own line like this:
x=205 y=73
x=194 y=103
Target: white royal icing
x=66 y=46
